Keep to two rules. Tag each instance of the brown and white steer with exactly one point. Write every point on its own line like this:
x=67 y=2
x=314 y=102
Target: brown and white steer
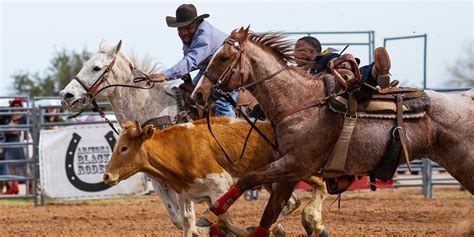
x=186 y=157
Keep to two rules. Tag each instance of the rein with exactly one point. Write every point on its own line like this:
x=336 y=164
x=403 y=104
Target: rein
x=318 y=102
x=209 y=127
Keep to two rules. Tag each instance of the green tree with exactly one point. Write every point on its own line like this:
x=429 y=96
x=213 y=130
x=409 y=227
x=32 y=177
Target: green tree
x=64 y=66
x=462 y=72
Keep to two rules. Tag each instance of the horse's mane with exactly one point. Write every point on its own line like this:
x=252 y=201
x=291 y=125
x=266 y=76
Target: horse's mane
x=274 y=42
x=144 y=64
x=278 y=45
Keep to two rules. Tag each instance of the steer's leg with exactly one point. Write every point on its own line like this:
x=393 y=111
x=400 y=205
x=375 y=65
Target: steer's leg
x=187 y=212
x=170 y=200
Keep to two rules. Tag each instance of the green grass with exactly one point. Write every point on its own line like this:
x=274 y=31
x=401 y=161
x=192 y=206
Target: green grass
x=17 y=202
x=52 y=202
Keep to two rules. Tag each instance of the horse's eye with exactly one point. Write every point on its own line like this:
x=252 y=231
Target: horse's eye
x=124 y=149
x=97 y=68
x=224 y=58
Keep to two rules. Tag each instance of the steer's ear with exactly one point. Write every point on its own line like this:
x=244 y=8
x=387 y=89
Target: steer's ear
x=148 y=131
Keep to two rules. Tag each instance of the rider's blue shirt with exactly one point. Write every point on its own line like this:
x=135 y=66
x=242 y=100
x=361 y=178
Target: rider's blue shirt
x=206 y=40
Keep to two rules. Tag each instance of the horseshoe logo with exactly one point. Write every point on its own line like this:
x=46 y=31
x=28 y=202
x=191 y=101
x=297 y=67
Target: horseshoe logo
x=71 y=174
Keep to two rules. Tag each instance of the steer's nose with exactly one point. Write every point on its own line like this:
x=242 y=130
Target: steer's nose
x=107 y=178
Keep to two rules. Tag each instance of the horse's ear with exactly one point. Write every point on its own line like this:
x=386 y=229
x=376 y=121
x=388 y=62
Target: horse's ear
x=114 y=50
x=246 y=32
x=119 y=45
x=148 y=131
x=104 y=46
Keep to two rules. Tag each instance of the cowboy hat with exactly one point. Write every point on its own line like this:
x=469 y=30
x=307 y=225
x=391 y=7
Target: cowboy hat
x=185 y=15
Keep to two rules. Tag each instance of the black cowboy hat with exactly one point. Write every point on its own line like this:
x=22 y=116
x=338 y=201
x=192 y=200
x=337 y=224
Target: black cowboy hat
x=185 y=15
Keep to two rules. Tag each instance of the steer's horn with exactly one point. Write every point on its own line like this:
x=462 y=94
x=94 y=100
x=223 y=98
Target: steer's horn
x=137 y=131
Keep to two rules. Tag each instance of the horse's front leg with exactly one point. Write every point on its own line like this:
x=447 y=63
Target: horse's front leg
x=291 y=206
x=279 y=196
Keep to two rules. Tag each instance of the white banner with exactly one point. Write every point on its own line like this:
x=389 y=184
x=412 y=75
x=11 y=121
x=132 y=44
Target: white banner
x=73 y=160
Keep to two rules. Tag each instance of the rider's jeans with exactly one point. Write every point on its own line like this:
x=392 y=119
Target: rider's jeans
x=224 y=109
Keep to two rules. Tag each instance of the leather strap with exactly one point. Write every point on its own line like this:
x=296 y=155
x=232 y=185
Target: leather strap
x=102 y=114
x=318 y=102
x=391 y=90
x=337 y=161
x=352 y=104
x=401 y=130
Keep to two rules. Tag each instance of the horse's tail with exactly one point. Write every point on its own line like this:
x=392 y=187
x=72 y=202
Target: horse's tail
x=469 y=93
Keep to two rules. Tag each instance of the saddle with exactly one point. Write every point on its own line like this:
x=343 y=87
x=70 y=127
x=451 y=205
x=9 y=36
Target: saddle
x=382 y=104
x=363 y=101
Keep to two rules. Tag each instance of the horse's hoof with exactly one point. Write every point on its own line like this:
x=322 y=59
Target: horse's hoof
x=324 y=232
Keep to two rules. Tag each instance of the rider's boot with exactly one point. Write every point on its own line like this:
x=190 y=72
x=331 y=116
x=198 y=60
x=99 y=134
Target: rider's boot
x=381 y=69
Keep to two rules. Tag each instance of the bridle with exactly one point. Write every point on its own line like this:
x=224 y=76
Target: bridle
x=220 y=82
x=93 y=91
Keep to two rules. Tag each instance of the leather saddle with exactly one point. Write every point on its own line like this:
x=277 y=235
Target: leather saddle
x=375 y=102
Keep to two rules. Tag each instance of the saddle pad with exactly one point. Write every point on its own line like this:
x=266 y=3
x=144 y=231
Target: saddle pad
x=374 y=109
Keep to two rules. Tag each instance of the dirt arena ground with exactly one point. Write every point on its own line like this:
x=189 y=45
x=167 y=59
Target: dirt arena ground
x=389 y=212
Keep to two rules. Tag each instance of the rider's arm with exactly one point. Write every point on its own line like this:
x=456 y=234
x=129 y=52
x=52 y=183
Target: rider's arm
x=198 y=51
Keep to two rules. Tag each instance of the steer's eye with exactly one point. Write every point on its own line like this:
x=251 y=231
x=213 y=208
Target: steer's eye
x=123 y=149
x=97 y=68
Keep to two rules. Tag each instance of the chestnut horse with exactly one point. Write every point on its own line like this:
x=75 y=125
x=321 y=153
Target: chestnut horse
x=258 y=62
